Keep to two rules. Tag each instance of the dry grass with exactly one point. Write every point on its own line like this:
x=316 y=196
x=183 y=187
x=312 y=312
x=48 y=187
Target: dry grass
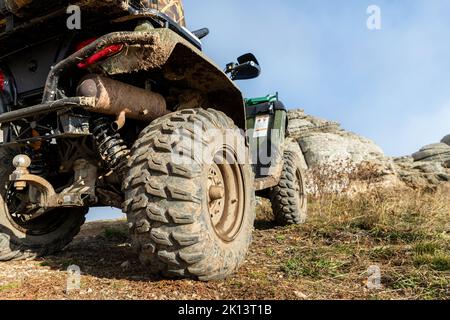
x=343 y=177
x=405 y=233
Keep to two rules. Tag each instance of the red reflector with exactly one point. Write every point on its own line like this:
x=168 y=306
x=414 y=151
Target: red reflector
x=102 y=54
x=2 y=81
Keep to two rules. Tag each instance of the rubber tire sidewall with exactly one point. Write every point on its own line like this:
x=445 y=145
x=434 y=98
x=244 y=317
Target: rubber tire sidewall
x=285 y=206
x=209 y=258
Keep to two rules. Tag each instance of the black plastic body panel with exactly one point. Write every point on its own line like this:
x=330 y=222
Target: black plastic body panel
x=264 y=108
x=30 y=67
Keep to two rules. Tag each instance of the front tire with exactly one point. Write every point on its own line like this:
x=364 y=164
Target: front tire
x=289 y=200
x=44 y=236
x=192 y=216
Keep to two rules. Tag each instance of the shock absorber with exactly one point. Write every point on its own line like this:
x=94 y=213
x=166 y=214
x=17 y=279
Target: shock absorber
x=111 y=147
x=34 y=150
x=38 y=163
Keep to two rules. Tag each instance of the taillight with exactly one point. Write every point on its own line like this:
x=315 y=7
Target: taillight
x=100 y=55
x=2 y=81
x=6 y=89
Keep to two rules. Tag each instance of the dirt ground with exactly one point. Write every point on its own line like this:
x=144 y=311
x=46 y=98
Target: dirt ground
x=327 y=258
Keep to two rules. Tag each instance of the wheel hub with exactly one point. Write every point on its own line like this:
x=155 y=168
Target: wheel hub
x=226 y=199
x=216 y=194
x=299 y=192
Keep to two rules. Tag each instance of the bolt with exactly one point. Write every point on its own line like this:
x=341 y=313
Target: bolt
x=216 y=193
x=20 y=185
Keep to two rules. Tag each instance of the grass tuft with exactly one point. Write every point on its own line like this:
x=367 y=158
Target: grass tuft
x=115 y=234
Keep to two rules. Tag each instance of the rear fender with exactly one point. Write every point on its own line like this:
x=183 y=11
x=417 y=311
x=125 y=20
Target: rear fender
x=187 y=70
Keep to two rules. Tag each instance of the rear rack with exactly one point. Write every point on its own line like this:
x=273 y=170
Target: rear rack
x=57 y=105
x=166 y=22
x=128 y=11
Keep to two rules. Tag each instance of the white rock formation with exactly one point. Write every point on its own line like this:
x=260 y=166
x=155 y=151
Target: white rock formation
x=324 y=143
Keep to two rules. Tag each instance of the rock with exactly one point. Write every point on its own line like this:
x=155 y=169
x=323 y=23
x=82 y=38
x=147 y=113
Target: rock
x=324 y=144
x=300 y=123
x=446 y=140
x=446 y=164
x=324 y=148
x=421 y=173
x=293 y=146
x=427 y=167
x=300 y=295
x=438 y=152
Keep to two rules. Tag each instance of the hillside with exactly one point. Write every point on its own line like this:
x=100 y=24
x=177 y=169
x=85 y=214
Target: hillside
x=405 y=235
x=367 y=212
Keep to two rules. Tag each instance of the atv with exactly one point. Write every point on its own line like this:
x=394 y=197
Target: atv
x=128 y=112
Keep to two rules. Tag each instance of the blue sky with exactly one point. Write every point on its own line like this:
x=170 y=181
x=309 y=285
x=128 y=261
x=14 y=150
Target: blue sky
x=391 y=85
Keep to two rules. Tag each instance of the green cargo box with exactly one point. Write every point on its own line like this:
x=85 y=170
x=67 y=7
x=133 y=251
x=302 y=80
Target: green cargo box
x=266 y=123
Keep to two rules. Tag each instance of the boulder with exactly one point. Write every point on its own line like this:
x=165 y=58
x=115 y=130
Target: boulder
x=322 y=148
x=421 y=173
x=446 y=164
x=446 y=140
x=427 y=167
x=438 y=152
x=324 y=144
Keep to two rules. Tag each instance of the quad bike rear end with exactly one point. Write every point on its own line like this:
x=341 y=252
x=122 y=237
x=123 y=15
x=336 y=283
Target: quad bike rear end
x=125 y=112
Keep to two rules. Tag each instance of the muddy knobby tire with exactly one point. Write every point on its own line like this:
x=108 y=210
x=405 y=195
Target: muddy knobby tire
x=289 y=200
x=18 y=242
x=168 y=205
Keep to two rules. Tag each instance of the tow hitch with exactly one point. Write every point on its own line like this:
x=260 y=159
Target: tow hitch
x=41 y=193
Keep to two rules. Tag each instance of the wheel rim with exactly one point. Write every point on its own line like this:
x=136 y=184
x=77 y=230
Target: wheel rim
x=226 y=196
x=299 y=188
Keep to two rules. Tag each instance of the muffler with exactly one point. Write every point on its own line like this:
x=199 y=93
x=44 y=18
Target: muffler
x=122 y=100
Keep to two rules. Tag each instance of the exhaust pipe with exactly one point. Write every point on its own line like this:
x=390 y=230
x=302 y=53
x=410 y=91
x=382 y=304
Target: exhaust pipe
x=122 y=100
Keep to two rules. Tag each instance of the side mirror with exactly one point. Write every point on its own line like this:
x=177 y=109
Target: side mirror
x=201 y=33
x=247 y=68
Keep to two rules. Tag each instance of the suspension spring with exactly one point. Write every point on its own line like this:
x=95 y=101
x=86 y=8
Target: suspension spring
x=38 y=163
x=110 y=145
x=34 y=150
